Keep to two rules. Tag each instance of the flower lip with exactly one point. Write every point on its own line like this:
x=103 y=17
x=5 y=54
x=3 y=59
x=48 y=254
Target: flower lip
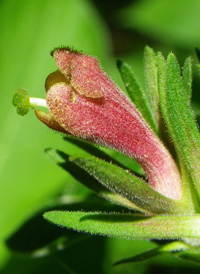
x=81 y=70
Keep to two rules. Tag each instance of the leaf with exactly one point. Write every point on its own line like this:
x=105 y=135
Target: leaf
x=169 y=247
x=150 y=71
x=187 y=78
x=127 y=185
x=192 y=255
x=116 y=158
x=136 y=93
x=62 y=159
x=128 y=226
x=179 y=118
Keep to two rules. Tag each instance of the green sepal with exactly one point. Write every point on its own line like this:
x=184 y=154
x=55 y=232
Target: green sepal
x=127 y=185
x=136 y=93
x=21 y=101
x=179 y=118
x=63 y=160
x=128 y=226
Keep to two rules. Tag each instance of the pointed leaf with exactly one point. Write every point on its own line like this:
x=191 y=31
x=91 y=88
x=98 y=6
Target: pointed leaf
x=169 y=247
x=150 y=70
x=187 y=78
x=127 y=185
x=116 y=157
x=128 y=226
x=192 y=255
x=179 y=118
x=136 y=93
x=94 y=150
x=140 y=257
x=62 y=159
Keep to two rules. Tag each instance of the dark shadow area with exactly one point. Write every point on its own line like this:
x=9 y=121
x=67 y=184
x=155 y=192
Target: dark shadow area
x=84 y=257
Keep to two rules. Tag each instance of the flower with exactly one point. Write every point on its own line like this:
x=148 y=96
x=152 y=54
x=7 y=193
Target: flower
x=85 y=103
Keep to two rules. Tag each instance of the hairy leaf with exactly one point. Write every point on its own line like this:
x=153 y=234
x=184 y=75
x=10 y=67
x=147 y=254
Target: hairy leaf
x=136 y=93
x=178 y=116
x=96 y=151
x=127 y=185
x=62 y=159
x=169 y=247
x=128 y=226
x=187 y=78
x=150 y=70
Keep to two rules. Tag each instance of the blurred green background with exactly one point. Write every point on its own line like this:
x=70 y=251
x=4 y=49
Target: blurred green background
x=28 y=179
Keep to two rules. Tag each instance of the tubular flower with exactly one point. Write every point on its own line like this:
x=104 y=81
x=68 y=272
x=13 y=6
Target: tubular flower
x=85 y=103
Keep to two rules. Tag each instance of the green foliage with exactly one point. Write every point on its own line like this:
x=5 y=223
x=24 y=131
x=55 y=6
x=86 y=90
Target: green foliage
x=178 y=248
x=178 y=115
x=127 y=185
x=128 y=226
x=136 y=93
x=151 y=90
x=66 y=162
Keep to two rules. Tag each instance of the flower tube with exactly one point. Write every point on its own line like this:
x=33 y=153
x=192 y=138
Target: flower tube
x=85 y=103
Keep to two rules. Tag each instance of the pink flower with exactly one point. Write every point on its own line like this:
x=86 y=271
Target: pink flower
x=85 y=103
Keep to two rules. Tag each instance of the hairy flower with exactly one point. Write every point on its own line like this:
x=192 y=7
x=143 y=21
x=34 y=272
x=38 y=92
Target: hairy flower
x=85 y=103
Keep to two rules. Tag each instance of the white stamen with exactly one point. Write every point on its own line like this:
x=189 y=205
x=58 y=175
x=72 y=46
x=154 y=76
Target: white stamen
x=37 y=102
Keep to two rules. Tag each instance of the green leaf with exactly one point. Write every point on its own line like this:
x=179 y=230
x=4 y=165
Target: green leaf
x=62 y=159
x=150 y=71
x=191 y=254
x=179 y=118
x=116 y=157
x=169 y=247
x=127 y=185
x=187 y=78
x=136 y=93
x=128 y=226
